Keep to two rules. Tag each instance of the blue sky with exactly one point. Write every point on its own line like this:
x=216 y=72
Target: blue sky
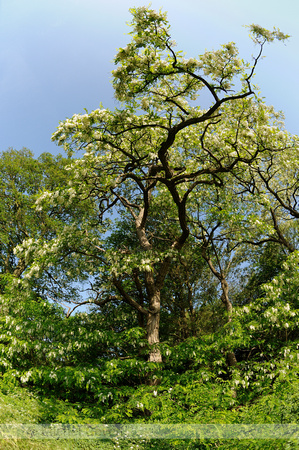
x=56 y=56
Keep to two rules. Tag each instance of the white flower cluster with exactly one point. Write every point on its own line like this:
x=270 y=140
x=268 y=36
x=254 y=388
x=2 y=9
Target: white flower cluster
x=261 y=34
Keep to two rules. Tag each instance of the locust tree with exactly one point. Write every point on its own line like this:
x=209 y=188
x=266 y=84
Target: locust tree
x=155 y=151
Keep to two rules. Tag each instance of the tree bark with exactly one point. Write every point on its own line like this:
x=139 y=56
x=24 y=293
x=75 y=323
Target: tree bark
x=225 y=298
x=153 y=322
x=152 y=328
x=231 y=359
x=153 y=318
x=19 y=269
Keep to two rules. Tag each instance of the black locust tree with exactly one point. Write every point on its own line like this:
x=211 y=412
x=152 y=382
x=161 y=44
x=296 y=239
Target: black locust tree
x=153 y=152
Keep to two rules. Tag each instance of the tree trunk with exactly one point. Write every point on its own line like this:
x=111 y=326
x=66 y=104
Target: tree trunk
x=225 y=298
x=231 y=357
x=153 y=322
x=19 y=269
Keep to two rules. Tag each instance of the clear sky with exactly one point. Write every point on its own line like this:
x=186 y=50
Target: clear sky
x=56 y=56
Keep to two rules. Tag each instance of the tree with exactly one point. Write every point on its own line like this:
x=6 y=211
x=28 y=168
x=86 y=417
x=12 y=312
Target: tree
x=155 y=151
x=22 y=179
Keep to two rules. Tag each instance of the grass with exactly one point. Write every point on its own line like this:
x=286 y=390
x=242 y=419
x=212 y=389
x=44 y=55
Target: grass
x=19 y=406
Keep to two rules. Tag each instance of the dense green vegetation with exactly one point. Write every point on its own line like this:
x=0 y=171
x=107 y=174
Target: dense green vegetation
x=176 y=231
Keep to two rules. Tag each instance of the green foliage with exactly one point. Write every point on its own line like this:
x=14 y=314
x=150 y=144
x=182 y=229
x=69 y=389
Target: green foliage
x=264 y=264
x=22 y=178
